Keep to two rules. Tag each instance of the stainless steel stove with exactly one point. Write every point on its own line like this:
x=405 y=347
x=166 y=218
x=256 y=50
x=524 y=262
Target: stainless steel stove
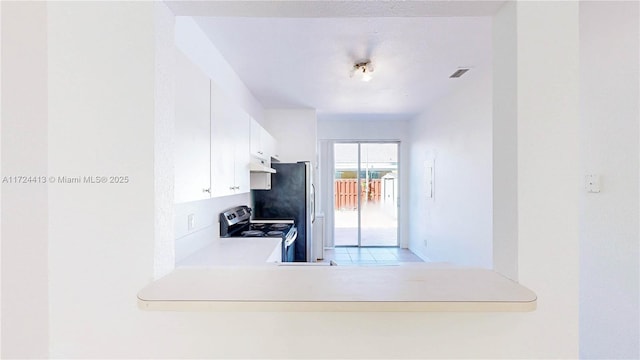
x=236 y=222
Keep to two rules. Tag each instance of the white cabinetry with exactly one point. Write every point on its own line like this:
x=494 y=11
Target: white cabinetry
x=192 y=152
x=256 y=140
x=212 y=138
x=230 y=130
x=270 y=145
x=264 y=149
x=263 y=145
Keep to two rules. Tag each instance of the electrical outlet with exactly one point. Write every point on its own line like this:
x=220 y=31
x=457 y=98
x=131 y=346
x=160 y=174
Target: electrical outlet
x=191 y=222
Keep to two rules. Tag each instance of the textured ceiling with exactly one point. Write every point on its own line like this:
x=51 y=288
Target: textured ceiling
x=299 y=53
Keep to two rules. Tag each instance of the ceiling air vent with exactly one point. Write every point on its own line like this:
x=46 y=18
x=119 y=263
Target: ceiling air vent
x=459 y=73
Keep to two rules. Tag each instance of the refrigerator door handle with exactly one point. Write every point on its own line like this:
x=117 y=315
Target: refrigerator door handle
x=313 y=210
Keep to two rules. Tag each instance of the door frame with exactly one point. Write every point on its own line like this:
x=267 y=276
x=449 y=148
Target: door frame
x=332 y=144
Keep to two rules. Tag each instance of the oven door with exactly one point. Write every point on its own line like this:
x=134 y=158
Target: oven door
x=288 y=246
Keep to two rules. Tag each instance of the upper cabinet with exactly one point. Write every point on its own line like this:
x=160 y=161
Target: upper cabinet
x=192 y=149
x=256 y=142
x=264 y=150
x=270 y=145
x=215 y=139
x=230 y=133
x=263 y=145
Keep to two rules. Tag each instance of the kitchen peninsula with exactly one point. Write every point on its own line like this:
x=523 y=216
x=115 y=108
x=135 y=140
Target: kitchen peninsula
x=415 y=287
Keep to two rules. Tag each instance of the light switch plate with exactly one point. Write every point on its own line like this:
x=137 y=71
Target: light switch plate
x=592 y=183
x=429 y=177
x=191 y=222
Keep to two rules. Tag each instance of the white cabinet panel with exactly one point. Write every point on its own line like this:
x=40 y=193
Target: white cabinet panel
x=192 y=132
x=264 y=148
x=263 y=145
x=230 y=130
x=212 y=150
x=242 y=128
x=270 y=145
x=222 y=147
x=256 y=140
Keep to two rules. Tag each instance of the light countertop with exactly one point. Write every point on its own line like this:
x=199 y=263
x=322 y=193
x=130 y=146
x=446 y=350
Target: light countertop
x=408 y=287
x=236 y=252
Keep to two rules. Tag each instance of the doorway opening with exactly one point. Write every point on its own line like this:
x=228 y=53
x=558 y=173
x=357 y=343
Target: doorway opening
x=366 y=197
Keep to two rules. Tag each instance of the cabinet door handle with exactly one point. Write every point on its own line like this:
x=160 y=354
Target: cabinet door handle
x=260 y=152
x=207 y=190
x=231 y=188
x=237 y=187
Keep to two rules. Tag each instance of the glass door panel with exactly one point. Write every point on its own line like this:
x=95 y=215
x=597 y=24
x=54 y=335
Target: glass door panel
x=366 y=194
x=379 y=198
x=346 y=194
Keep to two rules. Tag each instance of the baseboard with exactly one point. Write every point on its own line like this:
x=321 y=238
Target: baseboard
x=420 y=254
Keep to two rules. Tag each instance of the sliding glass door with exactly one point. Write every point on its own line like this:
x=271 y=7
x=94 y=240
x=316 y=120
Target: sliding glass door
x=346 y=195
x=379 y=199
x=366 y=194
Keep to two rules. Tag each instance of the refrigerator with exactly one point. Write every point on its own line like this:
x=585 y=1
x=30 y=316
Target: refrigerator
x=292 y=196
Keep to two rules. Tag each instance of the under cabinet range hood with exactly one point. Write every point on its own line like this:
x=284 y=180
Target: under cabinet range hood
x=258 y=166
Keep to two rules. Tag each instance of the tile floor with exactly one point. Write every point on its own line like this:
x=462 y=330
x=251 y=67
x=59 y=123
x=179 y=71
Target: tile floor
x=370 y=256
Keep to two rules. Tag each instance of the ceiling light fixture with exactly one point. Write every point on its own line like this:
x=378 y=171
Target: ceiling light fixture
x=363 y=70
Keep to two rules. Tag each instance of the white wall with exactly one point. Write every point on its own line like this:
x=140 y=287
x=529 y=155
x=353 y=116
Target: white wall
x=24 y=261
x=207 y=226
x=360 y=127
x=547 y=156
x=1 y=186
x=163 y=166
x=609 y=233
x=101 y=73
x=101 y=238
x=548 y=168
x=505 y=142
x=455 y=136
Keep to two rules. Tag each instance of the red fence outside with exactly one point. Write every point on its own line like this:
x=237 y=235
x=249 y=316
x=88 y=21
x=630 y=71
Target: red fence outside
x=346 y=193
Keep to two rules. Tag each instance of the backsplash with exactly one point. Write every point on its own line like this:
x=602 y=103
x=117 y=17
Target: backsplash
x=205 y=220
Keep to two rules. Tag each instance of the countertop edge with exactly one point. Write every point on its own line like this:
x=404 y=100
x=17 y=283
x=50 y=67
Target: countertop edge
x=337 y=306
x=507 y=296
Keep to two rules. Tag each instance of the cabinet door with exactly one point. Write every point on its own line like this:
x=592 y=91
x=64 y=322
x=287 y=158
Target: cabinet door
x=270 y=145
x=242 y=129
x=223 y=137
x=192 y=165
x=257 y=146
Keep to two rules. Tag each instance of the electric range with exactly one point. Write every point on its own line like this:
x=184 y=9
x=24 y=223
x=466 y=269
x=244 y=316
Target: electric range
x=236 y=222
